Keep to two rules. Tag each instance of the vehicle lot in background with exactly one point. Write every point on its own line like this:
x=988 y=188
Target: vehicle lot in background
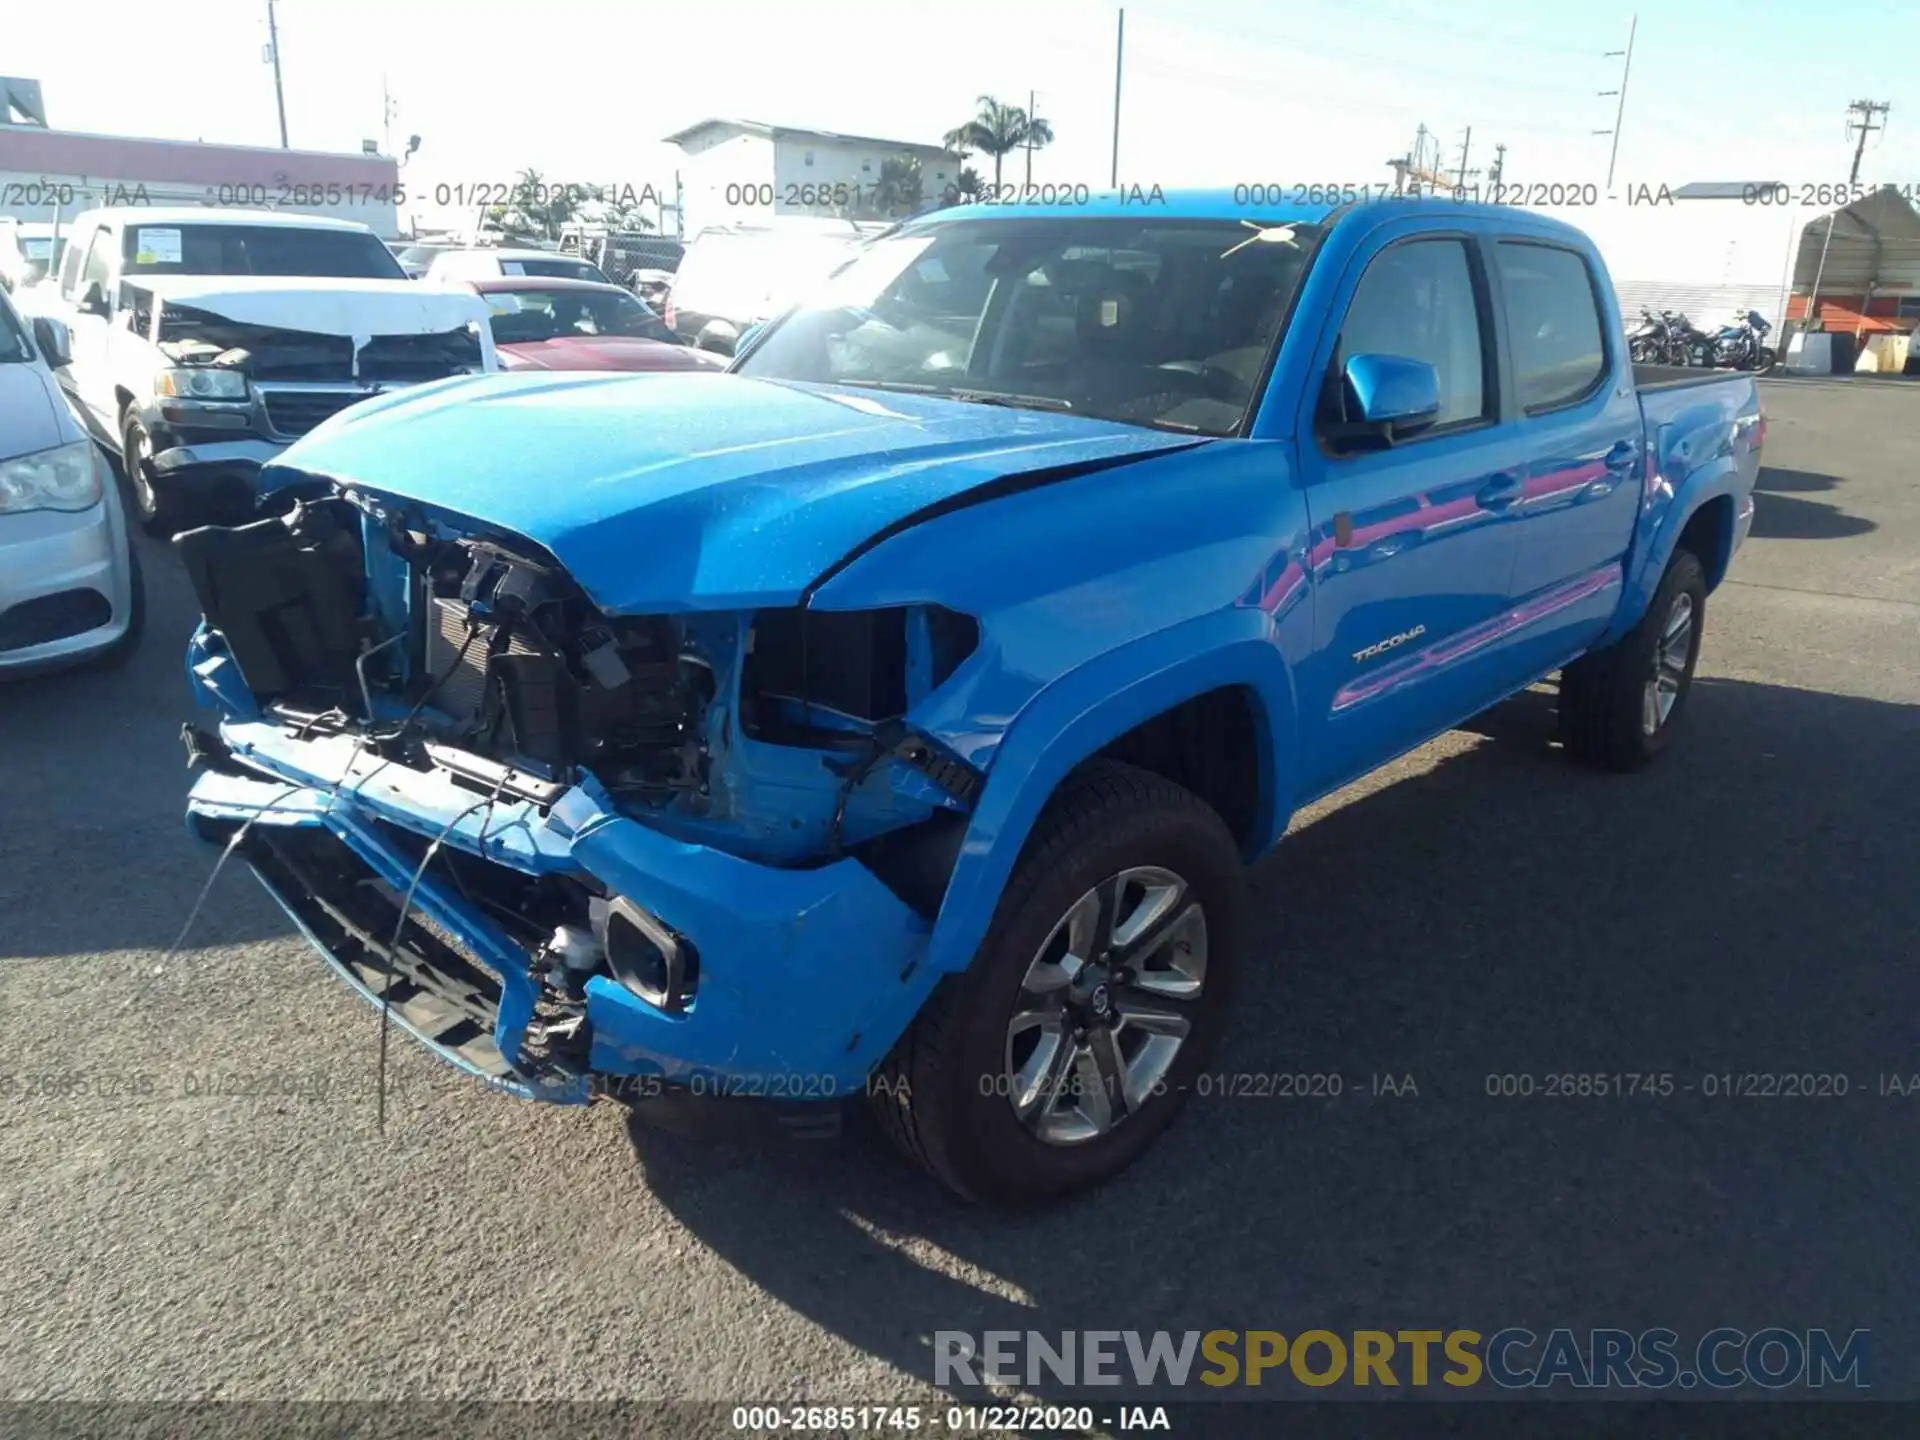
x=416 y=259
x=734 y=277
x=206 y=341
x=491 y=264
x=1756 y=915
x=70 y=587
x=29 y=252
x=577 y=325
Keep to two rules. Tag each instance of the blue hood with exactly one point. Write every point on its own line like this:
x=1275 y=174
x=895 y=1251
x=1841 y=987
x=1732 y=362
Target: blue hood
x=669 y=492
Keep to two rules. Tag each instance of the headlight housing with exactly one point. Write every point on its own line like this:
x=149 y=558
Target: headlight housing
x=66 y=477
x=200 y=382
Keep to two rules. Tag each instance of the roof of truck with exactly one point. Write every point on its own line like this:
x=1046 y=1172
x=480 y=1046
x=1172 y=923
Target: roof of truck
x=206 y=215
x=1255 y=206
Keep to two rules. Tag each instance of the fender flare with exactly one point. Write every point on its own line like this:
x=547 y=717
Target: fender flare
x=1649 y=562
x=1079 y=714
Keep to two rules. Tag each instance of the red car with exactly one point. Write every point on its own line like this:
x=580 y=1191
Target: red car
x=551 y=324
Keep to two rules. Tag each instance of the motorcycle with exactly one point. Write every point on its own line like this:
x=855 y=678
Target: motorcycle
x=1738 y=345
x=1647 y=345
x=1665 y=339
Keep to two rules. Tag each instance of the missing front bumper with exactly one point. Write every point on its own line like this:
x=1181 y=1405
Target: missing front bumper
x=806 y=976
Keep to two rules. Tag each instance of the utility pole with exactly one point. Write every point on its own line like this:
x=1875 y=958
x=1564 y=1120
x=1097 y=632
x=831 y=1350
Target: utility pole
x=1031 y=101
x=1620 y=110
x=1866 y=110
x=1466 y=146
x=1499 y=165
x=1119 y=50
x=273 y=54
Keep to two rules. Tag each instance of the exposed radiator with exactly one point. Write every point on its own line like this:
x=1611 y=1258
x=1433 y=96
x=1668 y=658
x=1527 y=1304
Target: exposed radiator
x=464 y=690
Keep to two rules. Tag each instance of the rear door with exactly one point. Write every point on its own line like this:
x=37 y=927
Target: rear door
x=1411 y=551
x=1574 y=400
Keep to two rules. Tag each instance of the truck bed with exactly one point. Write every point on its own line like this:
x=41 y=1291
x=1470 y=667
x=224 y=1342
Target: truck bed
x=1675 y=377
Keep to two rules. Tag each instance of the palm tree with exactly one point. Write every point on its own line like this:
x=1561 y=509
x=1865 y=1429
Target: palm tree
x=998 y=130
x=898 y=190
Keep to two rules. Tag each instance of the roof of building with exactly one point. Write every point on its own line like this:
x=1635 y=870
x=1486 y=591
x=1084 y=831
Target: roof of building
x=794 y=132
x=139 y=159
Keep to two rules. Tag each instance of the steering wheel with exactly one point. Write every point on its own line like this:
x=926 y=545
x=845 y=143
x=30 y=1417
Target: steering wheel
x=1198 y=377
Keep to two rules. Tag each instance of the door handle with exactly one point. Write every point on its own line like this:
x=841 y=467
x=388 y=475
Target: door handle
x=1621 y=457
x=1499 y=491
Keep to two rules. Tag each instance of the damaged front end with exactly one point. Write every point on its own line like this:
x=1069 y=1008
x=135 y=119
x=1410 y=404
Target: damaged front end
x=562 y=844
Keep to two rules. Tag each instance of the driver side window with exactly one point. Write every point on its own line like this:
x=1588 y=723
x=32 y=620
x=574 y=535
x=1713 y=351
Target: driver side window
x=1417 y=300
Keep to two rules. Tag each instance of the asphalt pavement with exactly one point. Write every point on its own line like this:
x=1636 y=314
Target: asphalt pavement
x=218 y=1215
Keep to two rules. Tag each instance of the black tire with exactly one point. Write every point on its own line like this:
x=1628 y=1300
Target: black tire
x=1604 y=706
x=156 y=511
x=117 y=654
x=1765 y=359
x=940 y=1095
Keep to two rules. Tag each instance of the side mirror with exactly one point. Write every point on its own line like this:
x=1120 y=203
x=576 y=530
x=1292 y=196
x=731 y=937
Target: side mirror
x=1391 y=394
x=54 y=342
x=94 y=301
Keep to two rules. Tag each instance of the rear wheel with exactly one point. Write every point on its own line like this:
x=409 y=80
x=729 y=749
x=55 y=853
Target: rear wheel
x=1620 y=706
x=1100 y=992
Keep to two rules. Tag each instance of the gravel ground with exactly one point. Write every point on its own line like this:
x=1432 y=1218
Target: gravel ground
x=1481 y=907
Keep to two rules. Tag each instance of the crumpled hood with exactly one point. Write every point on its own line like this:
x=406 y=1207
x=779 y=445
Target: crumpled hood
x=672 y=492
x=322 y=305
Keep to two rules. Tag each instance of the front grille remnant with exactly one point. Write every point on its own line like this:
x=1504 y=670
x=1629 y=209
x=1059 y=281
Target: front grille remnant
x=438 y=990
x=295 y=412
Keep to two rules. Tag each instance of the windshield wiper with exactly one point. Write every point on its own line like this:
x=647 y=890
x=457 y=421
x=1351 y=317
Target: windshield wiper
x=975 y=397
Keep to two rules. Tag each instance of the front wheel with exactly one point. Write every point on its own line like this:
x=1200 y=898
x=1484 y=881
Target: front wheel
x=155 y=509
x=1619 y=707
x=1764 y=359
x=1098 y=996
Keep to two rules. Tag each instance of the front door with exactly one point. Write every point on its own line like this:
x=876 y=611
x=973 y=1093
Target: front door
x=1411 y=549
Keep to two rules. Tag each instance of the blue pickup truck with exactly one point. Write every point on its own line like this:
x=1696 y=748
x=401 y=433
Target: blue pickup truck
x=893 y=715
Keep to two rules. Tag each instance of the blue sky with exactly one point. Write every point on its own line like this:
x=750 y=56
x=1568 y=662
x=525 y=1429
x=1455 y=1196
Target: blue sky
x=1216 y=91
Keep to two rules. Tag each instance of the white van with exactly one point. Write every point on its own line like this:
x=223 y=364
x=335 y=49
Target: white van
x=737 y=276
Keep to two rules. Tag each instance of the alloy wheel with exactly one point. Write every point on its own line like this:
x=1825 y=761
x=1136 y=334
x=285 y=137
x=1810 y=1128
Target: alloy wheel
x=1105 y=1005
x=1668 y=672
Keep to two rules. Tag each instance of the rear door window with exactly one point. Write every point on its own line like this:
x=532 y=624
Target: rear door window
x=1553 y=320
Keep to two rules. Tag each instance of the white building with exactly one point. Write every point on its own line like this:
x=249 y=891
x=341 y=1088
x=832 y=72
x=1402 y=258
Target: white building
x=739 y=172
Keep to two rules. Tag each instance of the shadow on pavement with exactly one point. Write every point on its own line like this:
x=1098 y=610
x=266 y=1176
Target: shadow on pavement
x=1785 y=517
x=1745 y=907
x=1776 y=481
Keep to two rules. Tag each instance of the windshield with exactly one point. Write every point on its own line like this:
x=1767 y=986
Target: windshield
x=1160 y=322
x=524 y=316
x=555 y=270
x=257 y=250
